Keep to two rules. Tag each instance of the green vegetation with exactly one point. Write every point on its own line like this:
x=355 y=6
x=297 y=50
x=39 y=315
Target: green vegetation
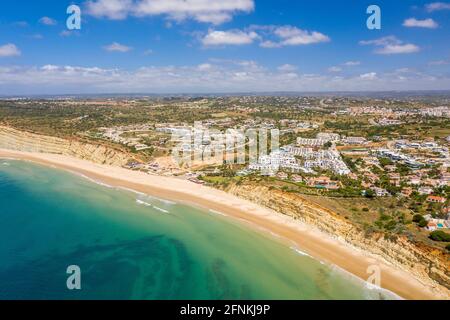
x=394 y=223
x=440 y=236
x=420 y=220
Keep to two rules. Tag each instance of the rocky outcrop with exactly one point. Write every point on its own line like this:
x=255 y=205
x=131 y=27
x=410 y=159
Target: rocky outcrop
x=29 y=142
x=429 y=265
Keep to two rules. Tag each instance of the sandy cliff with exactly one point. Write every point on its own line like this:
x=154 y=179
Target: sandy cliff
x=24 y=141
x=427 y=264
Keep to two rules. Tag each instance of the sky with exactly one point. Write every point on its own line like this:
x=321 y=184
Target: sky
x=222 y=46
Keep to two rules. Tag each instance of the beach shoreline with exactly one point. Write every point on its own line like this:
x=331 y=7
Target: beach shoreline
x=315 y=243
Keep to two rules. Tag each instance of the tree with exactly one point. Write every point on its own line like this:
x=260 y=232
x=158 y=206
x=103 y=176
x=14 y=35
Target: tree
x=440 y=236
x=420 y=220
x=369 y=193
x=423 y=223
x=385 y=162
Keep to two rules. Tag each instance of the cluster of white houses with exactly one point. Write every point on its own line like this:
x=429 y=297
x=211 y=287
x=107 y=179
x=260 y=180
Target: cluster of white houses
x=324 y=137
x=115 y=135
x=436 y=112
x=397 y=156
x=430 y=146
x=324 y=159
x=276 y=160
x=285 y=158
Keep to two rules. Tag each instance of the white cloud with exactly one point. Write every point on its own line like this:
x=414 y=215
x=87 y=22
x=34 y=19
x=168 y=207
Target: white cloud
x=9 y=50
x=287 y=68
x=340 y=67
x=231 y=76
x=117 y=47
x=231 y=37
x=280 y=36
x=352 y=63
x=209 y=11
x=110 y=9
x=368 y=76
x=269 y=44
x=404 y=70
x=391 y=45
x=426 y=23
x=293 y=36
x=438 y=63
x=398 y=49
x=49 y=67
x=381 y=41
x=47 y=21
x=335 y=69
x=437 y=6
x=204 y=67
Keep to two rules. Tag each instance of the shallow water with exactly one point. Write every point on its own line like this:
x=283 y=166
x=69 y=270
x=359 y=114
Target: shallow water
x=132 y=246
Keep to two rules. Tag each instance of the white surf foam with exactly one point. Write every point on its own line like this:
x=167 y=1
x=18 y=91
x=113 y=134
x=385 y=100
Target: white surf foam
x=300 y=252
x=217 y=212
x=147 y=196
x=143 y=203
x=93 y=180
x=160 y=209
x=151 y=206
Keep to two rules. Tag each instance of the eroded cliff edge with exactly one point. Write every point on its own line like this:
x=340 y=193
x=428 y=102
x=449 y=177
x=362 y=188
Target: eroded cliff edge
x=431 y=266
x=13 y=139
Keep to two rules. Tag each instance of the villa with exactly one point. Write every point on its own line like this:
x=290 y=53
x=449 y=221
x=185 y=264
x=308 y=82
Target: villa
x=436 y=199
x=323 y=183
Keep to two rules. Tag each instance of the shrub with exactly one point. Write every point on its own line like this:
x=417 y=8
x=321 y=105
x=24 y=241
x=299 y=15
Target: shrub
x=440 y=236
x=448 y=247
x=369 y=194
x=423 y=223
x=420 y=220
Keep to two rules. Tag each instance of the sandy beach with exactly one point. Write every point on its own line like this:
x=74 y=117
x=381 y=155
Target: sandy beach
x=306 y=238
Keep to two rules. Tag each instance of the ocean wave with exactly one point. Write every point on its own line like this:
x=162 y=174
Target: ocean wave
x=162 y=200
x=93 y=180
x=138 y=201
x=143 y=203
x=217 y=212
x=147 y=195
x=370 y=288
x=132 y=190
x=160 y=209
x=300 y=252
x=5 y=164
x=168 y=202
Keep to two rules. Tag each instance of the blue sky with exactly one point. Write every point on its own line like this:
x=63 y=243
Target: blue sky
x=172 y=46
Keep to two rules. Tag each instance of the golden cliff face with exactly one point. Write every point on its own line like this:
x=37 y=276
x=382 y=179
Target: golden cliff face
x=430 y=266
x=24 y=141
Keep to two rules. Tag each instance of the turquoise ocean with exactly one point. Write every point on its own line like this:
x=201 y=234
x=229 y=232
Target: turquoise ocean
x=134 y=246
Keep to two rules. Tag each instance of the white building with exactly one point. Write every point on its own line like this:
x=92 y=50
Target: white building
x=329 y=136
